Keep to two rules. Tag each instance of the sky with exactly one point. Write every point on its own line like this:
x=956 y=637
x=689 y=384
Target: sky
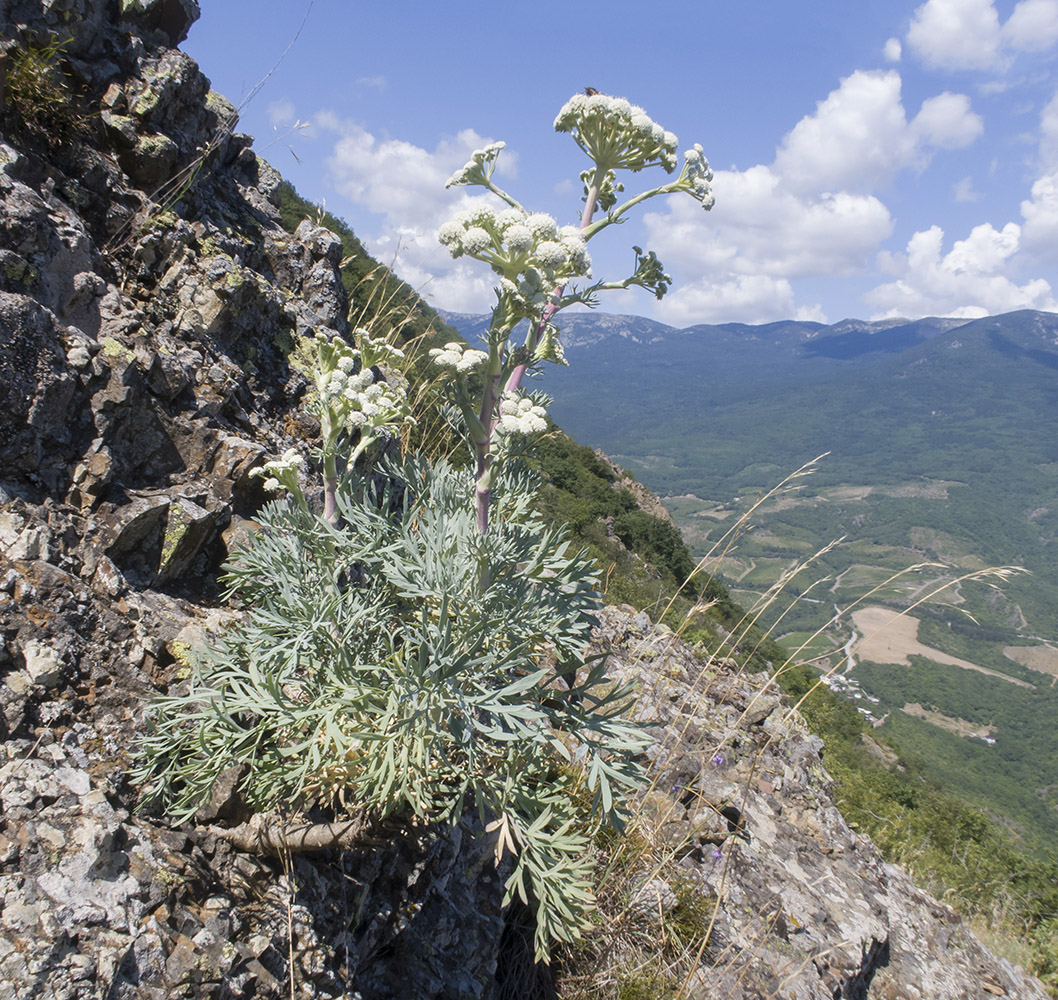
x=872 y=159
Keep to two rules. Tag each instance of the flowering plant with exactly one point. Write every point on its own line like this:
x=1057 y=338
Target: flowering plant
x=536 y=259
x=397 y=656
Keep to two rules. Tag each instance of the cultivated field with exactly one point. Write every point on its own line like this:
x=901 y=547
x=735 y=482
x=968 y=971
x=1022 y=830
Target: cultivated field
x=892 y=637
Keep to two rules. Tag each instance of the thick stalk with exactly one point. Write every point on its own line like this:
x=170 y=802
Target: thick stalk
x=330 y=489
x=330 y=470
x=552 y=307
x=483 y=472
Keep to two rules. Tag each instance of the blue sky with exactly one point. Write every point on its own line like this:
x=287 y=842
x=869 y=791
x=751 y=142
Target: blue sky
x=872 y=159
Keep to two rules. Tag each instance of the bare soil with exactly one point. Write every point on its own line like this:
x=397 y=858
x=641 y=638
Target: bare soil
x=1041 y=658
x=960 y=727
x=892 y=637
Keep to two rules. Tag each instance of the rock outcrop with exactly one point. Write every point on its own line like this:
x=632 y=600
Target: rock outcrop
x=740 y=814
x=148 y=301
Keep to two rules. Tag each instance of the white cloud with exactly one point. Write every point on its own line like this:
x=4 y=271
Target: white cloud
x=744 y=298
x=405 y=184
x=1040 y=209
x=812 y=213
x=971 y=280
x=963 y=190
x=956 y=34
x=1032 y=27
x=1049 y=134
x=741 y=256
x=893 y=50
x=944 y=122
x=1040 y=232
x=394 y=178
x=966 y=34
x=859 y=137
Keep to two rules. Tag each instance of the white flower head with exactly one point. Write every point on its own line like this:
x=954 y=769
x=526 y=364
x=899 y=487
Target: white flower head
x=518 y=238
x=472 y=360
x=520 y=415
x=615 y=133
x=458 y=357
x=697 y=175
x=482 y=215
x=551 y=254
x=478 y=169
x=542 y=226
x=451 y=232
x=476 y=240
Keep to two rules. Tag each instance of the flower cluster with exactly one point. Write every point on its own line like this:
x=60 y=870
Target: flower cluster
x=616 y=134
x=478 y=169
x=376 y=350
x=349 y=397
x=696 y=176
x=520 y=415
x=516 y=244
x=282 y=473
x=458 y=357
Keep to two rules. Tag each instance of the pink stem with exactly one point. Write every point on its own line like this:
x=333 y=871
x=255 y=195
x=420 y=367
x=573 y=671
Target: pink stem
x=489 y=397
x=585 y=220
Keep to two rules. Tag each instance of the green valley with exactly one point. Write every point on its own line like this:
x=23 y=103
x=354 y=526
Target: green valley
x=942 y=460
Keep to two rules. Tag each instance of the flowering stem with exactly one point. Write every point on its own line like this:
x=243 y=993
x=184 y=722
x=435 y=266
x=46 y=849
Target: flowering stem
x=483 y=474
x=556 y=296
x=615 y=215
x=330 y=487
x=499 y=192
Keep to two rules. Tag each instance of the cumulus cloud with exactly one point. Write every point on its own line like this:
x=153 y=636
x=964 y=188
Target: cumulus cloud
x=1040 y=209
x=893 y=50
x=812 y=213
x=1032 y=27
x=737 y=262
x=859 y=137
x=967 y=34
x=963 y=190
x=395 y=178
x=745 y=298
x=1049 y=134
x=971 y=280
x=1040 y=212
x=758 y=225
x=955 y=34
x=405 y=185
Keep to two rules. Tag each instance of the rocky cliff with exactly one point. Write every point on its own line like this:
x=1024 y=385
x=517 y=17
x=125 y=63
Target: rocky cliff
x=148 y=299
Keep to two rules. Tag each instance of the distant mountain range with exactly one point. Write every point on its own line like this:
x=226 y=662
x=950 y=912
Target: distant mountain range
x=786 y=391
x=732 y=351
